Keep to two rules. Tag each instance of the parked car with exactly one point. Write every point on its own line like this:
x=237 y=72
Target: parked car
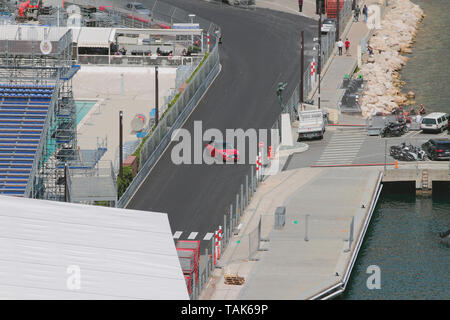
x=222 y=150
x=328 y=25
x=436 y=121
x=311 y=124
x=138 y=8
x=437 y=149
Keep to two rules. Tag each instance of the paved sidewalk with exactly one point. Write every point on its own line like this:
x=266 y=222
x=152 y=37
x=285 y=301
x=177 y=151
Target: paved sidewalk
x=333 y=74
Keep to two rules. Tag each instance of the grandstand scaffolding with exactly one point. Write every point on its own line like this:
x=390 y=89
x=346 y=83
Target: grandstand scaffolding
x=37 y=111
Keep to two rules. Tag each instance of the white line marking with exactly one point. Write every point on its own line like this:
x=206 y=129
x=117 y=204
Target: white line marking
x=192 y=235
x=352 y=149
x=208 y=236
x=177 y=234
x=336 y=158
x=346 y=140
x=340 y=153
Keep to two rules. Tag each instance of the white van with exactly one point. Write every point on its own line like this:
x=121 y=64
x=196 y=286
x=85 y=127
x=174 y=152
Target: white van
x=436 y=121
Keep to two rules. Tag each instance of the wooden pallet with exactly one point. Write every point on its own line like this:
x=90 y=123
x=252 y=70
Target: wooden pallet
x=233 y=279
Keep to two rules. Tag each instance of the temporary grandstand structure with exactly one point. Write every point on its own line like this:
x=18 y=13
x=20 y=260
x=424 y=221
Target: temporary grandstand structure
x=37 y=111
x=57 y=250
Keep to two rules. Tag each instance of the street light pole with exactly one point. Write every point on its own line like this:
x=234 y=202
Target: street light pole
x=281 y=87
x=120 y=144
x=302 y=69
x=156 y=96
x=338 y=11
x=319 y=58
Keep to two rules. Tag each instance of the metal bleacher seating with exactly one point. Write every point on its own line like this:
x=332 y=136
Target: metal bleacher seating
x=23 y=112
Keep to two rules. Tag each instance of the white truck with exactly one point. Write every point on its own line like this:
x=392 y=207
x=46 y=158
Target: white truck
x=311 y=124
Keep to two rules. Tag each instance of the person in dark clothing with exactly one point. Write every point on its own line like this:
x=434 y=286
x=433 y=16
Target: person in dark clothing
x=300 y=5
x=320 y=4
x=357 y=13
x=422 y=110
x=365 y=11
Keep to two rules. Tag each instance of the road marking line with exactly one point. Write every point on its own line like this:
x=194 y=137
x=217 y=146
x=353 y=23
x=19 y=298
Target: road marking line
x=343 y=152
x=348 y=141
x=338 y=153
x=192 y=235
x=335 y=162
x=208 y=236
x=343 y=149
x=414 y=134
x=349 y=137
x=177 y=234
x=336 y=159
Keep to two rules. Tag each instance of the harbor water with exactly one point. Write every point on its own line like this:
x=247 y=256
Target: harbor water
x=427 y=72
x=403 y=237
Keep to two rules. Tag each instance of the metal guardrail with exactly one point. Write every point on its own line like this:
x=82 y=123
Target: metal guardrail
x=231 y=225
x=173 y=118
x=39 y=156
x=118 y=60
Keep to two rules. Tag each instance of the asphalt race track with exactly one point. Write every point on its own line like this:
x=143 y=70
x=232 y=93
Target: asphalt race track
x=260 y=48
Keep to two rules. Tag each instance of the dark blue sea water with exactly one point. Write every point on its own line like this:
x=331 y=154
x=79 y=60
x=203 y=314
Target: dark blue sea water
x=403 y=235
x=428 y=71
x=403 y=241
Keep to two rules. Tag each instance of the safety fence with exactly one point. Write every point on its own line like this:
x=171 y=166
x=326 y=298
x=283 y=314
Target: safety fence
x=135 y=60
x=178 y=110
x=345 y=14
x=232 y=226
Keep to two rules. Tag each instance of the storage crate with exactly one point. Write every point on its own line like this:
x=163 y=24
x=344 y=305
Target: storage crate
x=187 y=259
x=189 y=244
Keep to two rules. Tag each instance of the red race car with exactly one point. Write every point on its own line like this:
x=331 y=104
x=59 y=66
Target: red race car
x=222 y=150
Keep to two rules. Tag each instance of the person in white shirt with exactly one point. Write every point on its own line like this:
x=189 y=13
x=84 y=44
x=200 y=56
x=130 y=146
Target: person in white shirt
x=340 y=44
x=418 y=118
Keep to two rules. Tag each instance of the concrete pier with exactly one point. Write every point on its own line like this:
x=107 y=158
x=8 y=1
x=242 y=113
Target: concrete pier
x=328 y=211
x=312 y=253
x=422 y=174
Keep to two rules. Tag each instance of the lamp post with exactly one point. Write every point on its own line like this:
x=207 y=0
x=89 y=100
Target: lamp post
x=302 y=68
x=192 y=16
x=281 y=87
x=338 y=11
x=319 y=58
x=156 y=96
x=120 y=144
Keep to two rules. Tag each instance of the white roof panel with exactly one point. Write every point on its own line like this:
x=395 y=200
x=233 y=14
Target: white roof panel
x=31 y=32
x=95 y=37
x=121 y=254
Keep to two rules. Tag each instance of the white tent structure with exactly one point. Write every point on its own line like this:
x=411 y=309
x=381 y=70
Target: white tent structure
x=82 y=36
x=57 y=250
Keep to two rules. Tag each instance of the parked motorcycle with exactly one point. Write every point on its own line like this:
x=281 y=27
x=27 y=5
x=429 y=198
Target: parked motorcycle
x=394 y=130
x=407 y=153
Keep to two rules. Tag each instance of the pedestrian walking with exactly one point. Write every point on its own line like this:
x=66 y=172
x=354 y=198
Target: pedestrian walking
x=300 y=5
x=357 y=13
x=340 y=44
x=347 y=46
x=365 y=12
